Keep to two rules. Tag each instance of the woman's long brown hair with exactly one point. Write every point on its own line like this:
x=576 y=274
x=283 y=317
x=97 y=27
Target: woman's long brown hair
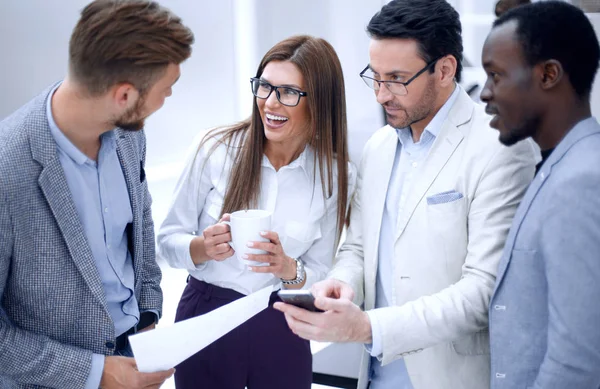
x=324 y=84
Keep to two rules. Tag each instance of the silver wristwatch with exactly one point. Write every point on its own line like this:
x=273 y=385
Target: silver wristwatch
x=300 y=274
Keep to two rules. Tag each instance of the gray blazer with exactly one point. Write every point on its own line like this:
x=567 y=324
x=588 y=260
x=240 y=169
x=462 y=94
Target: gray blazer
x=545 y=311
x=53 y=312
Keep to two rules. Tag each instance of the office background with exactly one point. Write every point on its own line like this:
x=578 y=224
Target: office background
x=231 y=37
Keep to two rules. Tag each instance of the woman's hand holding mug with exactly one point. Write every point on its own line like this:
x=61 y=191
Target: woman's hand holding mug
x=275 y=260
x=217 y=238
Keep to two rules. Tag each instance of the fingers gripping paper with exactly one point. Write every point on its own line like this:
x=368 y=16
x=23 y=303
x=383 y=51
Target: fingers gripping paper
x=164 y=348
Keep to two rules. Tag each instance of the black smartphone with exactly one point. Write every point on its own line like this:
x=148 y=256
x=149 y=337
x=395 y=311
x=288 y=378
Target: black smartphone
x=300 y=298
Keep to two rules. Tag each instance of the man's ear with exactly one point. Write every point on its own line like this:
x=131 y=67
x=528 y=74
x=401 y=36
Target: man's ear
x=447 y=66
x=125 y=95
x=551 y=73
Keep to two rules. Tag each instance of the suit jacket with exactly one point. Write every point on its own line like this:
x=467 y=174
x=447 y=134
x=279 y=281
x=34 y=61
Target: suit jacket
x=54 y=313
x=545 y=313
x=446 y=254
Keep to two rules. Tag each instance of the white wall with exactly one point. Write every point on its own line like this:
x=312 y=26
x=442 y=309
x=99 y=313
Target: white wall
x=34 y=44
x=205 y=95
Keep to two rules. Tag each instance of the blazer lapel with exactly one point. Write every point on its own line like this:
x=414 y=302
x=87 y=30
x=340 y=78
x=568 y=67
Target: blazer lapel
x=443 y=147
x=132 y=171
x=532 y=191
x=578 y=132
x=377 y=185
x=53 y=184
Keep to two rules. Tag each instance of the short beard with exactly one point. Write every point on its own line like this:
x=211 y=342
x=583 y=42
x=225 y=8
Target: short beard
x=525 y=130
x=423 y=108
x=132 y=119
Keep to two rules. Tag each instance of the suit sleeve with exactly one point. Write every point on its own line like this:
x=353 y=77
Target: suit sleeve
x=26 y=357
x=570 y=247
x=462 y=308
x=349 y=263
x=151 y=296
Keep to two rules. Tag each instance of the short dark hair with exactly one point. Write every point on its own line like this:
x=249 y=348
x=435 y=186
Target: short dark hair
x=126 y=41
x=560 y=31
x=434 y=24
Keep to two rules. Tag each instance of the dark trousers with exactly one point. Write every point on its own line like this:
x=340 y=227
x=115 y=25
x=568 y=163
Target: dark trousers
x=262 y=353
x=125 y=351
x=123 y=347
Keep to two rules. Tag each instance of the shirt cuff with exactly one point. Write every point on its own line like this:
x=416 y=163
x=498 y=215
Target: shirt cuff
x=93 y=381
x=375 y=348
x=182 y=244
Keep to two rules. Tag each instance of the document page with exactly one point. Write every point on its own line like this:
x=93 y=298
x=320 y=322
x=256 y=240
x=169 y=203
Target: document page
x=164 y=348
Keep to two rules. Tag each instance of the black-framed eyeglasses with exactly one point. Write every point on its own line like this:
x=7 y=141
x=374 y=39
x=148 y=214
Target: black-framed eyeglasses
x=286 y=95
x=395 y=87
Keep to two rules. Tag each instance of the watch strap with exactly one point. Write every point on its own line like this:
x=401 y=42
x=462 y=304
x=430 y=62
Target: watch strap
x=300 y=274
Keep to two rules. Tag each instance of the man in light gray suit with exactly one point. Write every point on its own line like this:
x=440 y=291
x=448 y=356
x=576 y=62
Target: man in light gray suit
x=77 y=264
x=541 y=60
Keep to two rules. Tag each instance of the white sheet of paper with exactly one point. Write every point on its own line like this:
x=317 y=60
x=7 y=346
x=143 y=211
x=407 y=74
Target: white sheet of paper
x=316 y=347
x=164 y=348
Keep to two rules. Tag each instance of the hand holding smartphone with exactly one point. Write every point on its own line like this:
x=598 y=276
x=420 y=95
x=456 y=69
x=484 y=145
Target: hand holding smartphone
x=300 y=298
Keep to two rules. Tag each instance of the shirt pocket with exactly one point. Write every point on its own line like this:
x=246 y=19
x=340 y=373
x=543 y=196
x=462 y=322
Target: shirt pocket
x=445 y=208
x=299 y=237
x=447 y=235
x=445 y=218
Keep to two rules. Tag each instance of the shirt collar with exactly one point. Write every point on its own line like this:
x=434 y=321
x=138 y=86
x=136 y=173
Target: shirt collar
x=304 y=161
x=64 y=144
x=435 y=125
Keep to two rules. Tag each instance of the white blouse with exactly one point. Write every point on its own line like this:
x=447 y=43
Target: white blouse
x=304 y=220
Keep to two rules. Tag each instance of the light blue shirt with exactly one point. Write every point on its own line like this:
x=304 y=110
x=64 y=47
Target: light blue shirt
x=408 y=160
x=101 y=198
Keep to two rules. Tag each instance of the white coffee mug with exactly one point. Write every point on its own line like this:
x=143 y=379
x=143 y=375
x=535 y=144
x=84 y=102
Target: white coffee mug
x=246 y=226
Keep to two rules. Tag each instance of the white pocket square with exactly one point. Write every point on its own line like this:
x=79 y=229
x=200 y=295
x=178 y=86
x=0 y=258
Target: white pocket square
x=444 y=197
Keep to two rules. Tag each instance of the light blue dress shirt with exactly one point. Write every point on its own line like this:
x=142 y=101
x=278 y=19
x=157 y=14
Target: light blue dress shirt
x=408 y=160
x=101 y=198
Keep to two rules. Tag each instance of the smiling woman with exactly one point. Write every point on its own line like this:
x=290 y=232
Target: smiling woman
x=289 y=158
x=284 y=113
